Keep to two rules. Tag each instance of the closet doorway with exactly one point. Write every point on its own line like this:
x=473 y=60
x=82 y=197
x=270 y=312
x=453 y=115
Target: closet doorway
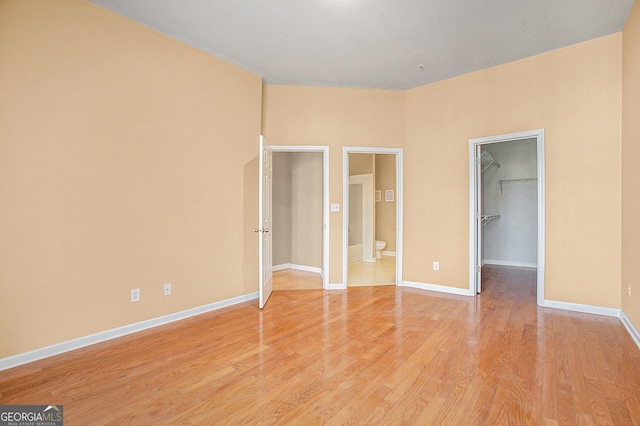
x=372 y=216
x=506 y=209
x=301 y=216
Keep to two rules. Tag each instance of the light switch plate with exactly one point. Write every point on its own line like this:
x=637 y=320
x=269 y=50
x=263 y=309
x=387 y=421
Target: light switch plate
x=335 y=207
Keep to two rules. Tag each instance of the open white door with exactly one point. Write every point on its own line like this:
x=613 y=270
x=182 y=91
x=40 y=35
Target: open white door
x=265 y=220
x=478 y=214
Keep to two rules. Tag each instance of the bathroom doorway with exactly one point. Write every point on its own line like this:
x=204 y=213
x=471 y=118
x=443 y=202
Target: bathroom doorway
x=372 y=218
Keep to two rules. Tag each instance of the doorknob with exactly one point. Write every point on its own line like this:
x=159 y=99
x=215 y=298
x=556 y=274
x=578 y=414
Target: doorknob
x=266 y=230
x=257 y=230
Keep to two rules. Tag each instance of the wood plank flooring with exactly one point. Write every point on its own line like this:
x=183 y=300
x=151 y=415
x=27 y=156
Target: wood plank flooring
x=293 y=279
x=368 y=355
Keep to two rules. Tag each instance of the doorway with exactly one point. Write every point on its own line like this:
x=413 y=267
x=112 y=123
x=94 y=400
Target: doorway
x=300 y=216
x=372 y=217
x=506 y=209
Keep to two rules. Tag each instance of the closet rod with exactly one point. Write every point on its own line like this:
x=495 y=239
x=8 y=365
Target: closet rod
x=516 y=180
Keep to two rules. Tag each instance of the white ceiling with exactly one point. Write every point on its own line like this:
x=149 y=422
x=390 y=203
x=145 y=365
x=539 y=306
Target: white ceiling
x=374 y=43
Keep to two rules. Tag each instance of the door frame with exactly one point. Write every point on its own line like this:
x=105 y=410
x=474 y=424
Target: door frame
x=325 y=200
x=473 y=223
x=345 y=203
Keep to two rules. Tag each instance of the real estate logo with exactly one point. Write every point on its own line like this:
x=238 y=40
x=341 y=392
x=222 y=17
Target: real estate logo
x=31 y=415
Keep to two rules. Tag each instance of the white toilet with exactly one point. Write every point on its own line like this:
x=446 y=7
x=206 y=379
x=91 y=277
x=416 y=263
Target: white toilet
x=380 y=245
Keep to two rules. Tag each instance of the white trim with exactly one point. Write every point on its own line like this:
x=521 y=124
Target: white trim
x=473 y=143
x=633 y=331
x=325 y=197
x=388 y=253
x=92 y=339
x=305 y=268
x=510 y=263
x=337 y=286
x=587 y=309
x=399 y=153
x=439 y=288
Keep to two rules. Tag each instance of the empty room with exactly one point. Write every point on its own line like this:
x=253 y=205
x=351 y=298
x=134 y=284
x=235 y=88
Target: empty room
x=175 y=212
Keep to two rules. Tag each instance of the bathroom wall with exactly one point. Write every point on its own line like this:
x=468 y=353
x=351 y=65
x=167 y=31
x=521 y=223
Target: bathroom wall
x=361 y=164
x=385 y=217
x=297 y=208
x=513 y=238
x=355 y=214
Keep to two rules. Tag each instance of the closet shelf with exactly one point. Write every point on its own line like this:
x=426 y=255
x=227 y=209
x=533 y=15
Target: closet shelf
x=516 y=180
x=486 y=218
x=486 y=160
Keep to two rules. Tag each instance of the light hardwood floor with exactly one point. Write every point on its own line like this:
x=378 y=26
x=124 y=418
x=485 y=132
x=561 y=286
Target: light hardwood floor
x=367 y=355
x=293 y=279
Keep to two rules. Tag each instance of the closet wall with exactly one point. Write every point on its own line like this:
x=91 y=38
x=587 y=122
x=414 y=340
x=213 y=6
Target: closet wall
x=510 y=190
x=297 y=209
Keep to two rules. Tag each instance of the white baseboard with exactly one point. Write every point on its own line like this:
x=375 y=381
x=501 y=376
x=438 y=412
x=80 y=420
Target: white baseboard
x=587 y=309
x=81 y=342
x=298 y=268
x=369 y=259
x=336 y=286
x=388 y=253
x=438 y=288
x=509 y=263
x=633 y=331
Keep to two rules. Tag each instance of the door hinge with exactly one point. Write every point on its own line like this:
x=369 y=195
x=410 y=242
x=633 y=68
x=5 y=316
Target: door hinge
x=477 y=161
x=478 y=269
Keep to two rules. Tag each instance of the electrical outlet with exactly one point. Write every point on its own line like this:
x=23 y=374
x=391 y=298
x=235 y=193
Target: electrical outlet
x=436 y=266
x=135 y=295
x=629 y=289
x=167 y=289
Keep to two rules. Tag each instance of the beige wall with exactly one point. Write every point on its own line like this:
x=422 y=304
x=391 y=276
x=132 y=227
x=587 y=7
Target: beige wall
x=385 y=177
x=127 y=160
x=281 y=208
x=630 y=169
x=574 y=94
x=306 y=214
x=334 y=117
x=583 y=166
x=360 y=164
x=298 y=209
